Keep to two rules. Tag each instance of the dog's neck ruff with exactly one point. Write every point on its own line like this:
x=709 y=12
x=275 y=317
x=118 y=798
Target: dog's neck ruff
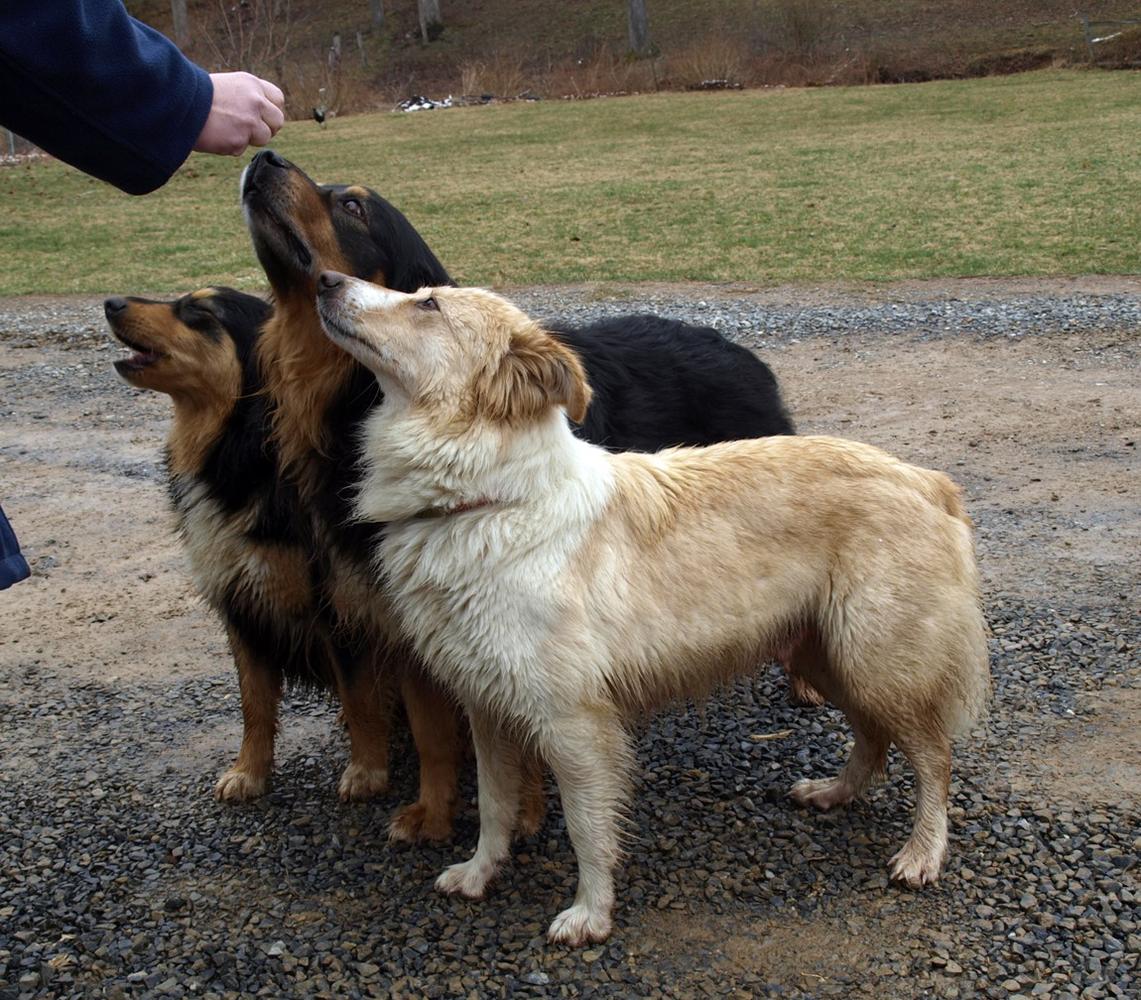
x=460 y=508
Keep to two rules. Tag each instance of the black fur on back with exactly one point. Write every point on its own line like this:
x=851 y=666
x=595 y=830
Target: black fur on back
x=660 y=382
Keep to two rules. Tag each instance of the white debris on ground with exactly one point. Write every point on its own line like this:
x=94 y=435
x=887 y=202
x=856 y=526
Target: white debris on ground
x=421 y=103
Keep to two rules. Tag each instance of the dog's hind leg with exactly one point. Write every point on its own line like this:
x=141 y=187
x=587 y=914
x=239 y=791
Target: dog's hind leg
x=366 y=695
x=807 y=661
x=260 y=685
x=865 y=765
x=434 y=719
x=799 y=656
x=591 y=758
x=921 y=858
x=497 y=758
x=533 y=804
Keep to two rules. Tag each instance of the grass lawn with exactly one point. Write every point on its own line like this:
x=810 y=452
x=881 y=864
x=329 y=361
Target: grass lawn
x=1037 y=174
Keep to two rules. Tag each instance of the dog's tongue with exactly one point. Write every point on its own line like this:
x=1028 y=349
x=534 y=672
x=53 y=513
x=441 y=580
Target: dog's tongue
x=140 y=359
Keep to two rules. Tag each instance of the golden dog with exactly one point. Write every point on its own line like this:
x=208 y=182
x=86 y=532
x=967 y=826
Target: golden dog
x=558 y=589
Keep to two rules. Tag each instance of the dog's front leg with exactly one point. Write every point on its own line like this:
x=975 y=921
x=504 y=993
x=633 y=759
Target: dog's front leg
x=366 y=693
x=591 y=758
x=497 y=759
x=436 y=725
x=260 y=684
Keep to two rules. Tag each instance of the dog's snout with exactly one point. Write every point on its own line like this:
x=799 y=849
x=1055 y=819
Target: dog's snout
x=114 y=305
x=329 y=280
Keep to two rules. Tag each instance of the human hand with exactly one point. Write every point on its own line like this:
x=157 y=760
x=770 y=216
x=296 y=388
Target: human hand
x=246 y=111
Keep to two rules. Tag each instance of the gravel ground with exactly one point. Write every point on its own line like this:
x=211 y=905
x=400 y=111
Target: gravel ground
x=120 y=876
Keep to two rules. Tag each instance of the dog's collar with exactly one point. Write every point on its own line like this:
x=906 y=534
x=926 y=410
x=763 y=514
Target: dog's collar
x=460 y=508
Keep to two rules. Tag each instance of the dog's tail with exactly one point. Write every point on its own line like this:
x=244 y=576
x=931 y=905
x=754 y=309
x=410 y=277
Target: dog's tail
x=941 y=491
x=964 y=689
x=971 y=684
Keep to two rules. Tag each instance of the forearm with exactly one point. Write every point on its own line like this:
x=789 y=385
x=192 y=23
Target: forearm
x=96 y=88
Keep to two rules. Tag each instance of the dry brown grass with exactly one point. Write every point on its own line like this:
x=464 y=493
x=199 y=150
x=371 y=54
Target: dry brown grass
x=505 y=47
x=606 y=69
x=502 y=74
x=719 y=56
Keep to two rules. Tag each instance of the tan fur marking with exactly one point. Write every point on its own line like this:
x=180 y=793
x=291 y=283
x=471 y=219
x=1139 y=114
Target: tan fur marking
x=288 y=568
x=201 y=412
x=260 y=689
x=434 y=719
x=308 y=213
x=303 y=374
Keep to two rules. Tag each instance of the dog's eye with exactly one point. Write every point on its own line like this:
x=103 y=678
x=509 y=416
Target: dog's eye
x=353 y=207
x=429 y=303
x=196 y=314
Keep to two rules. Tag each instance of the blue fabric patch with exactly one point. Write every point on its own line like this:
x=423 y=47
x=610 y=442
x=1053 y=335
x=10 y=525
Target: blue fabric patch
x=13 y=566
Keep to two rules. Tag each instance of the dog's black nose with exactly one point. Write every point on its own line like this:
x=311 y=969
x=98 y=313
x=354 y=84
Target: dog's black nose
x=270 y=159
x=114 y=305
x=328 y=280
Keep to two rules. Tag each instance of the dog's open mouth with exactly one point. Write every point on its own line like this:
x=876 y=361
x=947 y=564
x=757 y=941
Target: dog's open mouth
x=143 y=357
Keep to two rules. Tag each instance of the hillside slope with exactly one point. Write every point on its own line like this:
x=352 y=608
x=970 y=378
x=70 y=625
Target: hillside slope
x=555 y=49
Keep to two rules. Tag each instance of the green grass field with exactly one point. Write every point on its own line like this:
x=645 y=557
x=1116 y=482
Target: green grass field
x=1037 y=174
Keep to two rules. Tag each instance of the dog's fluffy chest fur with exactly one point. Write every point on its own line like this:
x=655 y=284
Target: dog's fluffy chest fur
x=228 y=566
x=482 y=592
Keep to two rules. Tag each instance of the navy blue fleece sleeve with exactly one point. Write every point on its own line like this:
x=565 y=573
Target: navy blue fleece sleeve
x=85 y=81
x=13 y=568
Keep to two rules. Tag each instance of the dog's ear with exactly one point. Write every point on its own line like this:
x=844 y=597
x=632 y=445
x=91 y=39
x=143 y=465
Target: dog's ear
x=536 y=373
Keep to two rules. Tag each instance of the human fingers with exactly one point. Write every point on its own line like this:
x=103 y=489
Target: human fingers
x=260 y=133
x=271 y=114
x=273 y=92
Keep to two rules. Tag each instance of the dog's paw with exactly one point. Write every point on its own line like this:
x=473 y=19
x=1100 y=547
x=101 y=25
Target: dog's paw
x=822 y=793
x=360 y=782
x=918 y=865
x=240 y=786
x=579 y=925
x=416 y=822
x=469 y=879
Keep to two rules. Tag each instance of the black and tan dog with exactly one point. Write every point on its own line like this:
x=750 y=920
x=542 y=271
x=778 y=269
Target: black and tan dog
x=656 y=383
x=248 y=543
